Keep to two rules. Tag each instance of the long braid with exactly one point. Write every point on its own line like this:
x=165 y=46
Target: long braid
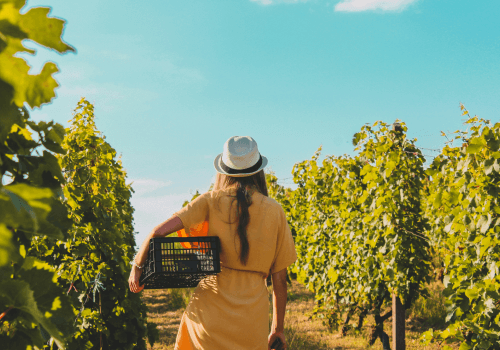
x=244 y=201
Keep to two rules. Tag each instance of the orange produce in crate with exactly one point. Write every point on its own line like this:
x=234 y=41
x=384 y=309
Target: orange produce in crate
x=199 y=230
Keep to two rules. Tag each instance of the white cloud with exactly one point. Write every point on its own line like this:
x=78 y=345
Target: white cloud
x=367 y=5
x=106 y=96
x=270 y=2
x=352 y=5
x=143 y=186
x=152 y=208
x=150 y=211
x=158 y=208
x=178 y=75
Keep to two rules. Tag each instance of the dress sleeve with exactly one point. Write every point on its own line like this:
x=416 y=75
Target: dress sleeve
x=285 y=247
x=195 y=212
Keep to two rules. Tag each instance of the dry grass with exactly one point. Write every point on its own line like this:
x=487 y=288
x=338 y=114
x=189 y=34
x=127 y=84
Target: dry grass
x=167 y=306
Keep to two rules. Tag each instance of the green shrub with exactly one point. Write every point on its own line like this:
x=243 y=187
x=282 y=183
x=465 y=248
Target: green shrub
x=180 y=297
x=430 y=310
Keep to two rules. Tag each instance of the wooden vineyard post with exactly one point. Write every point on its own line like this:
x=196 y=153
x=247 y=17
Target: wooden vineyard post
x=398 y=324
x=398 y=310
x=100 y=313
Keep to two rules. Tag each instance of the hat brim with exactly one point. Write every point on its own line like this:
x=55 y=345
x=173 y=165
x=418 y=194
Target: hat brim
x=217 y=167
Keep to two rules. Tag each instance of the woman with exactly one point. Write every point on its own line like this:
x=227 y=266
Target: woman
x=230 y=310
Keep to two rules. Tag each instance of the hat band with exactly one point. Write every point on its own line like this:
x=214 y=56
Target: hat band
x=241 y=171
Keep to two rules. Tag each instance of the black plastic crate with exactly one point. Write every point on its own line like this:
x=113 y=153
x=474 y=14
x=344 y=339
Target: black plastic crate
x=170 y=267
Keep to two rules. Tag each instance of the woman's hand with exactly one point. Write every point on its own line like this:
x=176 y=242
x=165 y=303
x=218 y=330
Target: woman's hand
x=171 y=225
x=133 y=280
x=273 y=336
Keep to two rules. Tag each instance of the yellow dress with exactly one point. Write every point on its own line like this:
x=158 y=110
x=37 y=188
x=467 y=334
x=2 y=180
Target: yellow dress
x=230 y=310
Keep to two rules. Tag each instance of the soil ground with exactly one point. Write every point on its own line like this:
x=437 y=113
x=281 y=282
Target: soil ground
x=166 y=307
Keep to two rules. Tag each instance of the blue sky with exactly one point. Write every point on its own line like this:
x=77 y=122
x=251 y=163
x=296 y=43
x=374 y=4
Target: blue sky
x=173 y=80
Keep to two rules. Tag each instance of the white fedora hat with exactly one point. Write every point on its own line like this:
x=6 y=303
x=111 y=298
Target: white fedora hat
x=240 y=157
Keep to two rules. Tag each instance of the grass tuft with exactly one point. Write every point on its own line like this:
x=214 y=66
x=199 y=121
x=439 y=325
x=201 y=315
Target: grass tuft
x=427 y=312
x=180 y=297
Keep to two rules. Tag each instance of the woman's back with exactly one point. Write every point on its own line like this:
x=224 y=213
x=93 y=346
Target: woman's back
x=271 y=247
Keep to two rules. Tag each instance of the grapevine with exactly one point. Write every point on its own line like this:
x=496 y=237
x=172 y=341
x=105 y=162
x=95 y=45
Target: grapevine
x=33 y=306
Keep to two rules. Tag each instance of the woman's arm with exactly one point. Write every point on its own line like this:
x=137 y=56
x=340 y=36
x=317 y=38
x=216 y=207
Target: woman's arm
x=167 y=227
x=279 y=307
x=171 y=225
x=279 y=301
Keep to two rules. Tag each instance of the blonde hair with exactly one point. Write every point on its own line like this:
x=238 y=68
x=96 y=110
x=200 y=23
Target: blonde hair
x=241 y=184
x=257 y=181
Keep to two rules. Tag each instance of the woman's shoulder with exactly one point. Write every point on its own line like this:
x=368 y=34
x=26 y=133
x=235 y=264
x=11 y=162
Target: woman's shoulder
x=219 y=193
x=270 y=203
x=214 y=194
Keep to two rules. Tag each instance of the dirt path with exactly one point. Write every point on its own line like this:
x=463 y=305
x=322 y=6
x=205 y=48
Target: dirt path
x=302 y=333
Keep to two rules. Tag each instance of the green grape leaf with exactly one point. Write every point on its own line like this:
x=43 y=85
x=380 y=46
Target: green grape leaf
x=472 y=293
x=8 y=251
x=34 y=25
x=10 y=29
x=32 y=89
x=474 y=148
x=20 y=204
x=34 y=293
x=33 y=209
x=465 y=346
x=43 y=29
